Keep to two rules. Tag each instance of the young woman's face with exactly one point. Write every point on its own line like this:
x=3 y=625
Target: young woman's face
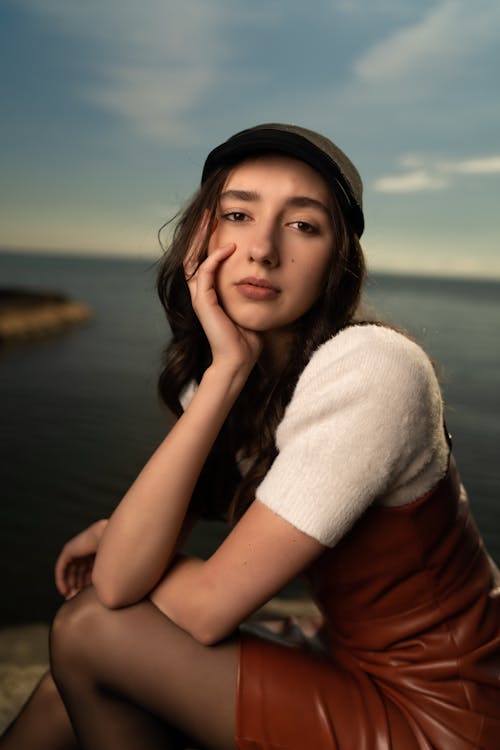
x=275 y=209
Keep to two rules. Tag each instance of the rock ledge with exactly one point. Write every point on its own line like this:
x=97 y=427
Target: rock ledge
x=28 y=314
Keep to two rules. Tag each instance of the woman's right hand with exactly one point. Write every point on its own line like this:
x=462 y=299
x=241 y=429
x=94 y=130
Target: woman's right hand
x=73 y=568
x=229 y=342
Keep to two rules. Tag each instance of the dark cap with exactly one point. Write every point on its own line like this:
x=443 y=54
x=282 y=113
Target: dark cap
x=316 y=150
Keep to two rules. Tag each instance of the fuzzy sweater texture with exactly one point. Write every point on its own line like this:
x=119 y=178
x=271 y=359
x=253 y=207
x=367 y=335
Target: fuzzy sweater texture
x=364 y=425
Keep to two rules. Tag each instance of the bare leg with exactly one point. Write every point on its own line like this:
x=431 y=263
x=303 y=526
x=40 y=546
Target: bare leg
x=130 y=678
x=43 y=723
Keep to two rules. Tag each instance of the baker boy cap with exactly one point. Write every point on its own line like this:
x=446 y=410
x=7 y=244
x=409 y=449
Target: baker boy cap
x=314 y=149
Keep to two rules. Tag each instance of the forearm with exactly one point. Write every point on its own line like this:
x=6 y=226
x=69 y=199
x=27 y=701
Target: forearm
x=262 y=554
x=177 y=595
x=141 y=535
x=187 y=596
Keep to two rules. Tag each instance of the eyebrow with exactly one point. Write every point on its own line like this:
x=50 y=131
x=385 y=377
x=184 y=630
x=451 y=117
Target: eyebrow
x=297 y=201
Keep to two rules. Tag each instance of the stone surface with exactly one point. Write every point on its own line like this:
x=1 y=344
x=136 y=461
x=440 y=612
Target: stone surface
x=28 y=315
x=23 y=660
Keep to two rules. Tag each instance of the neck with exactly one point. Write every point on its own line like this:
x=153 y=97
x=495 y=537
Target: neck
x=276 y=350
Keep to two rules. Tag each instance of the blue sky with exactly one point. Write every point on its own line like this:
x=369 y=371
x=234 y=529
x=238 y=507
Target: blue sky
x=110 y=106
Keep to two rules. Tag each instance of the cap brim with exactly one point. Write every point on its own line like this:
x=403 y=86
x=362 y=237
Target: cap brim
x=261 y=141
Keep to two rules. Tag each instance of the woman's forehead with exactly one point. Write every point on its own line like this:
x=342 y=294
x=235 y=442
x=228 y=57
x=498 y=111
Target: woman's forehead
x=277 y=170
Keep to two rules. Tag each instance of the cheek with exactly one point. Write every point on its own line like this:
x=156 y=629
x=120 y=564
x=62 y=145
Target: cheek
x=221 y=235
x=213 y=242
x=318 y=279
x=311 y=276
x=224 y=275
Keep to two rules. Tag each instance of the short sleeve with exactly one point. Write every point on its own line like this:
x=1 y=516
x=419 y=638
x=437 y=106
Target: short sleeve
x=365 y=422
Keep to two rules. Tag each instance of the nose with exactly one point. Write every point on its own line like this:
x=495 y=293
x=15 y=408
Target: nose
x=264 y=247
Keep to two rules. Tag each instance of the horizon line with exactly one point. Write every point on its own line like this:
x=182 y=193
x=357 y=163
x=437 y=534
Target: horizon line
x=382 y=269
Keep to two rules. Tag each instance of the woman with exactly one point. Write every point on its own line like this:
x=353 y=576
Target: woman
x=323 y=440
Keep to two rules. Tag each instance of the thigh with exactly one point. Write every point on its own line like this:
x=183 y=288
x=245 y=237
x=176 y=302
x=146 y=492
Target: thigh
x=139 y=654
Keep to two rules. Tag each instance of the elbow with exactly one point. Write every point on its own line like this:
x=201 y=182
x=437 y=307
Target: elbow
x=209 y=627
x=190 y=599
x=207 y=636
x=109 y=594
x=198 y=620
x=109 y=600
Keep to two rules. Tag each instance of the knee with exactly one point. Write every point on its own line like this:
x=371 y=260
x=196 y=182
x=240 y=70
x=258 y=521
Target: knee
x=72 y=632
x=48 y=694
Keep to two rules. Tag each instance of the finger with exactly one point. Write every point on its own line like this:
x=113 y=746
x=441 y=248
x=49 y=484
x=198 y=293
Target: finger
x=84 y=570
x=81 y=572
x=63 y=566
x=71 y=575
x=77 y=579
x=209 y=267
x=62 y=586
x=59 y=570
x=74 y=579
x=87 y=580
x=90 y=568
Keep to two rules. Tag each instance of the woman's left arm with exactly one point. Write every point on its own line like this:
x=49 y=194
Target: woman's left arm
x=260 y=556
x=142 y=534
x=141 y=537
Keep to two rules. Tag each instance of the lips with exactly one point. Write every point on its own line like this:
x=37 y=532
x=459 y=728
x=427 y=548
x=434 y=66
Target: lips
x=254 y=281
x=254 y=288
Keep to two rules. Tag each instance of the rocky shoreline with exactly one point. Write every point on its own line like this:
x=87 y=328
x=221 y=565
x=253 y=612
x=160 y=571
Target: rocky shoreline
x=27 y=315
x=24 y=657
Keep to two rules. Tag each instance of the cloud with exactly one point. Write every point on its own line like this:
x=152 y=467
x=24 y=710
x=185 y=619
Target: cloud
x=411 y=182
x=428 y=78
x=169 y=69
x=152 y=64
x=362 y=8
x=435 y=47
x=482 y=165
x=156 y=102
x=428 y=175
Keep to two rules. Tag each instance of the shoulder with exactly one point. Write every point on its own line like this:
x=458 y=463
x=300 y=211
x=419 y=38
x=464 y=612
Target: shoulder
x=369 y=384
x=365 y=422
x=375 y=349
x=367 y=359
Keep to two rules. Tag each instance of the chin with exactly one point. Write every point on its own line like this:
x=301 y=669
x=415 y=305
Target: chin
x=250 y=324
x=251 y=320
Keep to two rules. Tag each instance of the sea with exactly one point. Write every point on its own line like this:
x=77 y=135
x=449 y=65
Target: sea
x=80 y=413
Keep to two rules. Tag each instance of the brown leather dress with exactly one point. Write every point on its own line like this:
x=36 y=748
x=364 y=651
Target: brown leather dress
x=411 y=647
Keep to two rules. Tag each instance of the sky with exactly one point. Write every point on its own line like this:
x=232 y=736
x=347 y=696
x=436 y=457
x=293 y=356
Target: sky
x=109 y=107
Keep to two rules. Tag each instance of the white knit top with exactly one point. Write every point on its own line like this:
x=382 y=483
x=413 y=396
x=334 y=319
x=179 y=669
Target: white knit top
x=365 y=423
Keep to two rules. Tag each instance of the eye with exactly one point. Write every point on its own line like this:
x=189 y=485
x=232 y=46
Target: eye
x=305 y=227
x=236 y=216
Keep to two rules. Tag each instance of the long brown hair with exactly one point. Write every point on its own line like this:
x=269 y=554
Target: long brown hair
x=250 y=428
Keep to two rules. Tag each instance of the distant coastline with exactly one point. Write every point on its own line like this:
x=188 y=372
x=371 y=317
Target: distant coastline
x=448 y=274
x=29 y=314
